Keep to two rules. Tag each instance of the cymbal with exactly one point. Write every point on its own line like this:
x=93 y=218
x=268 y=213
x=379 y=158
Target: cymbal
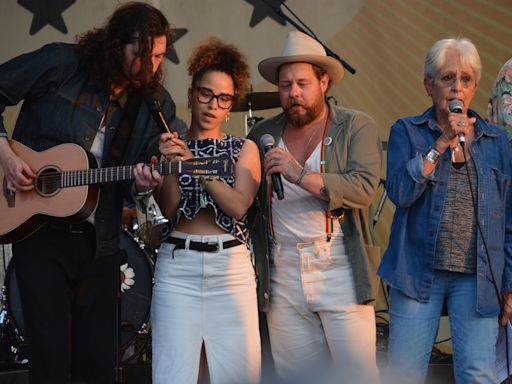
x=257 y=100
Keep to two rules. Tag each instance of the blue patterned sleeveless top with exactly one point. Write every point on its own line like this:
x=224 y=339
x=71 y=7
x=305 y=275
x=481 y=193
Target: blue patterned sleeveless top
x=191 y=201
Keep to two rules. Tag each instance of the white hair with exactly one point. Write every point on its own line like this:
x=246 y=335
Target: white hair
x=467 y=51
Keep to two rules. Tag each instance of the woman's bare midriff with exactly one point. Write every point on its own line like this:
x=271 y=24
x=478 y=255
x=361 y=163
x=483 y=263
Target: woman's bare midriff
x=203 y=224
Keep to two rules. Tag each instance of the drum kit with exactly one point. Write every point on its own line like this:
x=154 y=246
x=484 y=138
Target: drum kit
x=140 y=240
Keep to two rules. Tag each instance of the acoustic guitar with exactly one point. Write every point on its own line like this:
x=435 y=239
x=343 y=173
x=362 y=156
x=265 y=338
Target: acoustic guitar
x=66 y=188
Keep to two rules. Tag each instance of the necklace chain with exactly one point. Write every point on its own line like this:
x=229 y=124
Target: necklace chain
x=311 y=138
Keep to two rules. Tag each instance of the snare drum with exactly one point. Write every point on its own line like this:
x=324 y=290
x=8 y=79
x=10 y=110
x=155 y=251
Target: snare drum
x=137 y=279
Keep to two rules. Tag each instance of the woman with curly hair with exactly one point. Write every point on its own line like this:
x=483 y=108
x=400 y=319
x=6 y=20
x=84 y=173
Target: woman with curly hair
x=205 y=286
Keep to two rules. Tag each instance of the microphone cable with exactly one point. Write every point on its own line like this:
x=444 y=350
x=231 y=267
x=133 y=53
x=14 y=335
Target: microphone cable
x=484 y=242
x=4 y=259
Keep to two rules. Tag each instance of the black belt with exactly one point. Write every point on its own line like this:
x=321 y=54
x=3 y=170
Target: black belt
x=199 y=246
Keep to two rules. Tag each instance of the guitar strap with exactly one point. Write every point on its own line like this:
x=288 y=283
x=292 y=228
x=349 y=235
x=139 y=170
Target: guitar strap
x=118 y=148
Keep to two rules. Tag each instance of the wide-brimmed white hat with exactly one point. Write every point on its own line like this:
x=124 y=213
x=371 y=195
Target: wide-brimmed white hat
x=301 y=48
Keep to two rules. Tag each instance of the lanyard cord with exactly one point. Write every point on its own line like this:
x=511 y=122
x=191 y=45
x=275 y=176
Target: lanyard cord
x=328 y=219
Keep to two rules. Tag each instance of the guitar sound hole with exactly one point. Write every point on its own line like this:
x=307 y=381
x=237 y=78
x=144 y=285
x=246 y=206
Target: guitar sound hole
x=48 y=181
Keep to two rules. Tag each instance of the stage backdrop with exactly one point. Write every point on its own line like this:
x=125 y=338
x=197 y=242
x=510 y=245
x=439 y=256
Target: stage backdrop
x=384 y=40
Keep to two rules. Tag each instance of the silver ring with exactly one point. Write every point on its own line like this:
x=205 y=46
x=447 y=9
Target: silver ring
x=275 y=162
x=461 y=123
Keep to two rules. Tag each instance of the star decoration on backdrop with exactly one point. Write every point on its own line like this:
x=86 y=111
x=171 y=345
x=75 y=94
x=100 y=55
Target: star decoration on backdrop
x=171 y=53
x=262 y=9
x=47 y=12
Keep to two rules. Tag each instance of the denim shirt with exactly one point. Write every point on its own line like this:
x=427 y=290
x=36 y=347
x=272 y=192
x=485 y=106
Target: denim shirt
x=408 y=263
x=62 y=105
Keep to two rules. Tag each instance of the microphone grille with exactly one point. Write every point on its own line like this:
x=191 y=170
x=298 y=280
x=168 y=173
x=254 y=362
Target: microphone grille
x=267 y=140
x=456 y=106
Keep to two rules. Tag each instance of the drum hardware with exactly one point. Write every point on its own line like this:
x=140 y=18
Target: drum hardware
x=149 y=226
x=250 y=122
x=136 y=300
x=7 y=349
x=144 y=330
x=129 y=219
x=256 y=101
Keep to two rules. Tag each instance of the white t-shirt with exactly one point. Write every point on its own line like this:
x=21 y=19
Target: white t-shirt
x=300 y=216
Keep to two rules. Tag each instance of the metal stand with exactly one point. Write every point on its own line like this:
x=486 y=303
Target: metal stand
x=118 y=369
x=382 y=201
x=376 y=218
x=250 y=121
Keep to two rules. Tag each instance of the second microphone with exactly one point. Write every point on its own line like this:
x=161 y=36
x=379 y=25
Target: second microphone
x=267 y=142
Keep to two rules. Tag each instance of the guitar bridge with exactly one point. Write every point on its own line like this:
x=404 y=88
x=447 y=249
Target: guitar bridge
x=9 y=195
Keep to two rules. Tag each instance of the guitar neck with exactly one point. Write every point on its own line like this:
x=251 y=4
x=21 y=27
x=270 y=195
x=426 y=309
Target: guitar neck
x=109 y=174
x=200 y=166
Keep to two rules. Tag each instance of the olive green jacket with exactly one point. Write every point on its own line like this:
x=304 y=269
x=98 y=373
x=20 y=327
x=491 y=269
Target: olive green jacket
x=353 y=163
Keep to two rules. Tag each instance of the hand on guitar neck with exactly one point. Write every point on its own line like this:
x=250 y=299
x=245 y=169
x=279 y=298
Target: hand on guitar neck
x=146 y=178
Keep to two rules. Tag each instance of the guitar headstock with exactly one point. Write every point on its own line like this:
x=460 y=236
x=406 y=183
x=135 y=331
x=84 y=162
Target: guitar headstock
x=221 y=166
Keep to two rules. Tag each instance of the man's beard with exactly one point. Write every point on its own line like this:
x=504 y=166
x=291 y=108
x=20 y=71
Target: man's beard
x=300 y=119
x=142 y=78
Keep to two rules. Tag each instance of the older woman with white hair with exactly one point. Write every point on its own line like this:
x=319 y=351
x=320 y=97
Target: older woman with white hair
x=448 y=173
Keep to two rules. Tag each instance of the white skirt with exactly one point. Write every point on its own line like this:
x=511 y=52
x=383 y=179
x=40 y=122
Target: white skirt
x=210 y=298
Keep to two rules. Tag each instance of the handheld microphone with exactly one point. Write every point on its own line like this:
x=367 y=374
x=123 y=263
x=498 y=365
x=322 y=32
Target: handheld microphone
x=267 y=142
x=456 y=106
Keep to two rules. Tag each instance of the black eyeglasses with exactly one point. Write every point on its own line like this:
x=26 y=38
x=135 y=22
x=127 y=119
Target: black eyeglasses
x=205 y=95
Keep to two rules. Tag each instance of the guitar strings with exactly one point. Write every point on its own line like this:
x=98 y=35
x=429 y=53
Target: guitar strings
x=54 y=179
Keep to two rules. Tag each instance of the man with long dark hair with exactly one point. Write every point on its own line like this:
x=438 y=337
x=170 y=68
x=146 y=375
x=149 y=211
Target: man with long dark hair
x=92 y=94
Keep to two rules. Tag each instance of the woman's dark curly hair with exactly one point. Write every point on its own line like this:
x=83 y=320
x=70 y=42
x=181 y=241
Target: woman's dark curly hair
x=101 y=49
x=215 y=55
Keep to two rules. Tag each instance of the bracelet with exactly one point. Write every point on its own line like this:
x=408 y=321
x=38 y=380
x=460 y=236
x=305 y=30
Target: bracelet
x=206 y=180
x=301 y=177
x=203 y=183
x=144 y=193
x=139 y=195
x=433 y=156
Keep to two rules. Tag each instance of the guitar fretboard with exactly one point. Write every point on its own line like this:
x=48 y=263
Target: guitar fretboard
x=105 y=175
x=50 y=180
